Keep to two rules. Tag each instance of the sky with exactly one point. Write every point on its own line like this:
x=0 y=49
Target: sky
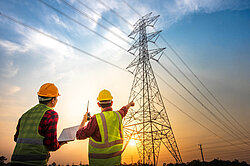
x=211 y=36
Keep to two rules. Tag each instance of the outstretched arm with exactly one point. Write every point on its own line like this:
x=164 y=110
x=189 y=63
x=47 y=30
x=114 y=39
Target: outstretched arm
x=123 y=111
x=130 y=104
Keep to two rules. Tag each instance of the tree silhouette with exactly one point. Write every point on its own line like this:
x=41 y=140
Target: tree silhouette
x=2 y=159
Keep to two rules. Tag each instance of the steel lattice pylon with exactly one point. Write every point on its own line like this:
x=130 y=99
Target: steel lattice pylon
x=148 y=121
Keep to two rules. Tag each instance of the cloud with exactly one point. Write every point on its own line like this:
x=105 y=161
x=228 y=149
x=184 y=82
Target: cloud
x=52 y=51
x=8 y=90
x=8 y=70
x=174 y=11
x=12 y=47
x=57 y=20
x=51 y=55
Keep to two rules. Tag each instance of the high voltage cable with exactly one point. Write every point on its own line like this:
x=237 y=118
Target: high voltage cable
x=214 y=148
x=191 y=82
x=193 y=105
x=67 y=44
x=209 y=147
x=132 y=8
x=203 y=84
x=217 y=118
x=106 y=6
x=103 y=18
x=212 y=145
x=58 y=11
x=230 y=153
x=207 y=89
x=200 y=123
x=196 y=78
x=92 y=19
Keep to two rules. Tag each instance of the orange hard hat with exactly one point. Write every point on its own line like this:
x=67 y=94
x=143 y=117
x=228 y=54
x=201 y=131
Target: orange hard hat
x=104 y=95
x=48 y=90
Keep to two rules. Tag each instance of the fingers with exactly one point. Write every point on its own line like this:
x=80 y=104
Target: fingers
x=132 y=103
x=85 y=117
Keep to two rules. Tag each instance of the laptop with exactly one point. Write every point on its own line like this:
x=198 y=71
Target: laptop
x=68 y=134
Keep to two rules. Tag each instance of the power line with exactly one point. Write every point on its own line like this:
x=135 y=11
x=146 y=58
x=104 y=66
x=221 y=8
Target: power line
x=113 y=11
x=179 y=109
x=60 y=41
x=191 y=82
x=132 y=8
x=196 y=109
x=62 y=13
x=230 y=152
x=210 y=147
x=103 y=18
x=217 y=118
x=203 y=84
x=92 y=19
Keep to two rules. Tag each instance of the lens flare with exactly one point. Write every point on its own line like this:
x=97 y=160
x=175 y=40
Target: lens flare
x=132 y=142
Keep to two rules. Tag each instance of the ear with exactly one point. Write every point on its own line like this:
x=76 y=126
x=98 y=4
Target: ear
x=53 y=101
x=98 y=104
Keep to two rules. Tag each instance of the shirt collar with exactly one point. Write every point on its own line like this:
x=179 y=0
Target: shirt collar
x=107 y=109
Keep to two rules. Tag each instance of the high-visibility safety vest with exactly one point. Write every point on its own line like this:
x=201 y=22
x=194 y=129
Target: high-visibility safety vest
x=29 y=148
x=108 y=151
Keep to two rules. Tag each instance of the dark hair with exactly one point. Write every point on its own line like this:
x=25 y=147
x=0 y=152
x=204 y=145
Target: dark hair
x=46 y=101
x=105 y=103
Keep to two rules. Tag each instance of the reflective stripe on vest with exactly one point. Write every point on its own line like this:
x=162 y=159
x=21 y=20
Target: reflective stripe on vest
x=30 y=141
x=104 y=156
x=106 y=142
x=119 y=124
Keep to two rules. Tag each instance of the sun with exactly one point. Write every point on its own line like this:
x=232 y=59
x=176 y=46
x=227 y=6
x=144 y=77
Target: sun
x=132 y=142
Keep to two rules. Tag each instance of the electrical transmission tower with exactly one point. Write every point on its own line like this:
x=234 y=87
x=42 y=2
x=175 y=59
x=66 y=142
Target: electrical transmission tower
x=148 y=121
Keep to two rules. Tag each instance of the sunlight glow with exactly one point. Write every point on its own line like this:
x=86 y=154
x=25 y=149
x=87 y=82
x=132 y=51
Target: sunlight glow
x=132 y=142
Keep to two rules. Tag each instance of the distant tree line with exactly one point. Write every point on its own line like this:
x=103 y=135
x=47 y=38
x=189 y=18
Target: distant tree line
x=215 y=162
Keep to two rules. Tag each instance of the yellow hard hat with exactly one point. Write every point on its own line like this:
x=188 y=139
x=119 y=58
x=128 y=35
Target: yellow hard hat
x=48 y=90
x=104 y=95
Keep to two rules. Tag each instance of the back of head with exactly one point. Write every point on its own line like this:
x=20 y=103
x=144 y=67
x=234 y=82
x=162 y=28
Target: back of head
x=105 y=98
x=47 y=92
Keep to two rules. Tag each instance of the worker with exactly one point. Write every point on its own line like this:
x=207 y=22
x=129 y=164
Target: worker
x=36 y=132
x=105 y=132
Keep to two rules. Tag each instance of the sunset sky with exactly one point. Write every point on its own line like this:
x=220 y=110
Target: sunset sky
x=211 y=36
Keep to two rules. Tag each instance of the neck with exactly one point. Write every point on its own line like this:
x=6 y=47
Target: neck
x=104 y=108
x=50 y=105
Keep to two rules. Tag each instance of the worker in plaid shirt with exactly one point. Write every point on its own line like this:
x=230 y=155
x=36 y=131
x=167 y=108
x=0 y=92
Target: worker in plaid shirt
x=36 y=132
